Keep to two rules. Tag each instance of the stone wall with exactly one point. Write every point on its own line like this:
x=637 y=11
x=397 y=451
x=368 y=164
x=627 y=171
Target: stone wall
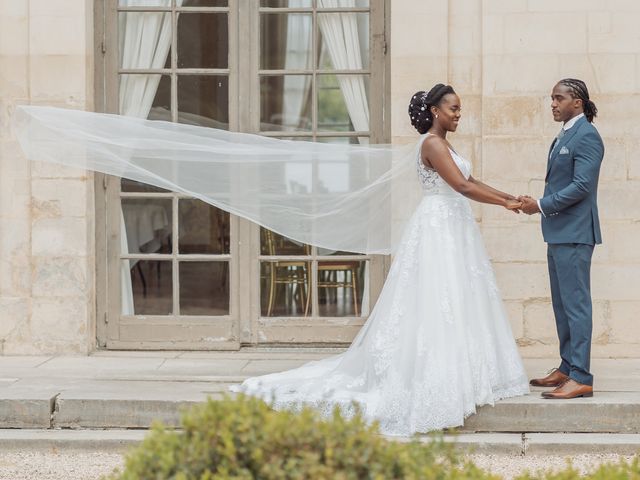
x=503 y=57
x=46 y=212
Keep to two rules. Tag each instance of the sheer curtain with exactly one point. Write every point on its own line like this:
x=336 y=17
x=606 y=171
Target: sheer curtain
x=342 y=37
x=297 y=57
x=340 y=33
x=145 y=40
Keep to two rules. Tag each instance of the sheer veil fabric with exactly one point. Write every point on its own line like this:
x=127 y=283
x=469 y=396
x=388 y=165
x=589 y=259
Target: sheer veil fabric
x=340 y=197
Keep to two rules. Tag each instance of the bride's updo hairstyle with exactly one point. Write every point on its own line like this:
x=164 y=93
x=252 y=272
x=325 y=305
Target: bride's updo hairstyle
x=421 y=103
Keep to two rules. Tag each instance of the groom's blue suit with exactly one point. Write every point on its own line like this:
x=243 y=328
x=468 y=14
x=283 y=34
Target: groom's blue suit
x=571 y=228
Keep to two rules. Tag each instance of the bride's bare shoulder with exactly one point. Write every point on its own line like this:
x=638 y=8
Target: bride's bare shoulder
x=434 y=145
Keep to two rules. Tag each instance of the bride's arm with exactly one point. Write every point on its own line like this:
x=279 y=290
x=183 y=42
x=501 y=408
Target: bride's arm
x=437 y=152
x=504 y=195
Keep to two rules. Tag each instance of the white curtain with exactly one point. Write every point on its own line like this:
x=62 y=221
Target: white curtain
x=145 y=40
x=340 y=33
x=342 y=37
x=298 y=56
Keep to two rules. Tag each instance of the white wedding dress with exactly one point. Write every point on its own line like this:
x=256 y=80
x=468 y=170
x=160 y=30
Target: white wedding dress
x=438 y=342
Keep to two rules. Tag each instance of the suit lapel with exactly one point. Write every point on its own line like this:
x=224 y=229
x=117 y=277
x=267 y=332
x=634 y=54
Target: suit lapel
x=562 y=142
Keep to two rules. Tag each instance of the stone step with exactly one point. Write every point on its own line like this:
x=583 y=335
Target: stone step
x=119 y=440
x=606 y=412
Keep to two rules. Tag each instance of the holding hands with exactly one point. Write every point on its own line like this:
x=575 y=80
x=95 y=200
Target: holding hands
x=529 y=205
x=522 y=203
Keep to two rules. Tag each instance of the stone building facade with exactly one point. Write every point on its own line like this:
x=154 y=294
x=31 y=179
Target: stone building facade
x=503 y=57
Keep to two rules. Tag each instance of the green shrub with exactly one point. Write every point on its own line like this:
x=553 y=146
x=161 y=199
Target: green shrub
x=243 y=438
x=620 y=471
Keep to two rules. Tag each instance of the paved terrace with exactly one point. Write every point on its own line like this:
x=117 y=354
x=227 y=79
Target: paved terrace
x=109 y=398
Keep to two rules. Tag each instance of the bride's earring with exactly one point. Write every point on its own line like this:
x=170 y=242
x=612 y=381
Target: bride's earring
x=436 y=115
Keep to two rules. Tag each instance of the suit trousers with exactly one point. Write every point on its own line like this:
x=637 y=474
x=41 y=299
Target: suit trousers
x=570 y=276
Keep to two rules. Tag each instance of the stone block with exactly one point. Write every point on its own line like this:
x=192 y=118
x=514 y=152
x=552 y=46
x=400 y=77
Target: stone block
x=47 y=170
x=513 y=159
x=61 y=198
x=619 y=244
x=14 y=29
x=633 y=157
x=60 y=324
x=117 y=413
x=14 y=183
x=620 y=35
x=619 y=200
x=61 y=276
x=540 y=326
x=531 y=74
x=521 y=281
x=615 y=73
x=465 y=7
x=624 y=323
x=26 y=412
x=58 y=31
x=551 y=33
x=566 y=6
x=615 y=282
x=614 y=164
x=539 y=323
x=465 y=74
x=500 y=6
x=65 y=236
x=515 y=312
x=14 y=320
x=511 y=115
x=68 y=83
x=15 y=248
x=404 y=26
x=607 y=412
x=467 y=39
x=13 y=79
x=599 y=23
x=514 y=243
x=617 y=126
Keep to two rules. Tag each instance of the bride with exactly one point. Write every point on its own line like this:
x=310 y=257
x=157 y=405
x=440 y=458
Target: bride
x=438 y=342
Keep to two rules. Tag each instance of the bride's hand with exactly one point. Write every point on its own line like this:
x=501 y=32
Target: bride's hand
x=513 y=205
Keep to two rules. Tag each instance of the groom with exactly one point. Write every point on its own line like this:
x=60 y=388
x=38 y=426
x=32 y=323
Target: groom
x=571 y=228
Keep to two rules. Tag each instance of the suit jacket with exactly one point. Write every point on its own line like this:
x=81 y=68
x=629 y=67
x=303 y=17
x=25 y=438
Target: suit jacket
x=571 y=187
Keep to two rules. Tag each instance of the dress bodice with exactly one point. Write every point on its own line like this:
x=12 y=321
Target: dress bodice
x=432 y=182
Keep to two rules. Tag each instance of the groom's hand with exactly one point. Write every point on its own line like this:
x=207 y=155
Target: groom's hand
x=529 y=205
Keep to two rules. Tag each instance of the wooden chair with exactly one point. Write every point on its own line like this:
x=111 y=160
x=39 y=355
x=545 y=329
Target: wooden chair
x=330 y=270
x=294 y=274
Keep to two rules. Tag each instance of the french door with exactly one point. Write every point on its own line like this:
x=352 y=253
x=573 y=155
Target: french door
x=176 y=273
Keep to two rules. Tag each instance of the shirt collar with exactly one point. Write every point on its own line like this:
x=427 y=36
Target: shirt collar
x=570 y=123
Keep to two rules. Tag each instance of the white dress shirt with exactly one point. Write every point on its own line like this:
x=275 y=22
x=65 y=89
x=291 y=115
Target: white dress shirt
x=566 y=126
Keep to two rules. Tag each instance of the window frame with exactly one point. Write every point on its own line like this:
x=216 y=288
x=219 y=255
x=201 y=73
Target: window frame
x=248 y=325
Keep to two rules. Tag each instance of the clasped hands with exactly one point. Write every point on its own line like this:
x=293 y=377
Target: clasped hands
x=522 y=203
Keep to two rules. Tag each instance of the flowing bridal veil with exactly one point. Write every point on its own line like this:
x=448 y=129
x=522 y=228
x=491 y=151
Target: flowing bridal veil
x=341 y=197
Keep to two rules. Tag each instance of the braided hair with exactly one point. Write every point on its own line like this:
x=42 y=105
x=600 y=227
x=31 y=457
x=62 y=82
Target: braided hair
x=579 y=90
x=421 y=103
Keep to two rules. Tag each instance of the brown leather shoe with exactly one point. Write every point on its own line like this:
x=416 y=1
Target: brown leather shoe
x=554 y=379
x=569 y=389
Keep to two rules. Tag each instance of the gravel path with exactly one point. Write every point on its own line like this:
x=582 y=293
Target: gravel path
x=32 y=465
x=29 y=465
x=509 y=467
